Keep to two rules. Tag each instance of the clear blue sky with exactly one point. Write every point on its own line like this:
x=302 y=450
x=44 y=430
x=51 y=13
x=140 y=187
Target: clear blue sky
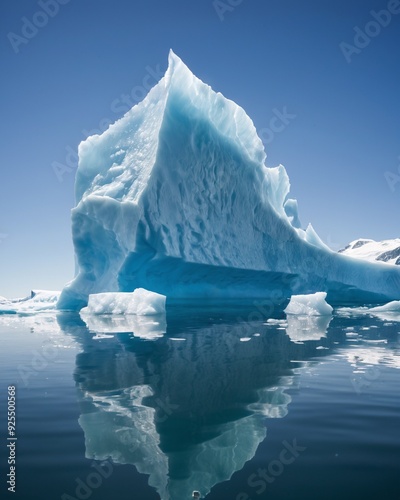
x=264 y=54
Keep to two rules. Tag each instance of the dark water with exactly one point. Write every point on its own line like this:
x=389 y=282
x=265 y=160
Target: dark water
x=216 y=400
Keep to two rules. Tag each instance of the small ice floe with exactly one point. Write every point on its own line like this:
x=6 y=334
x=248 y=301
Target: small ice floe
x=140 y=302
x=272 y=321
x=313 y=304
x=388 y=312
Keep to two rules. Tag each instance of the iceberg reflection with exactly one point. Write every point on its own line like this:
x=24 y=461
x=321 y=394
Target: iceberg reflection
x=188 y=414
x=145 y=327
x=302 y=328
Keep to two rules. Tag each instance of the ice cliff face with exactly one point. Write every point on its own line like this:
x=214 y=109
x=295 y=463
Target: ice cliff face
x=175 y=198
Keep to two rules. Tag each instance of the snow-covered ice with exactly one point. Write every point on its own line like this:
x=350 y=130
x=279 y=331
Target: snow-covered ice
x=38 y=301
x=393 y=306
x=140 y=302
x=384 y=251
x=309 y=305
x=175 y=197
x=386 y=312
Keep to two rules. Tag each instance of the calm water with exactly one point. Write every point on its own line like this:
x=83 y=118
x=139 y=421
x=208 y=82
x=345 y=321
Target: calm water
x=215 y=400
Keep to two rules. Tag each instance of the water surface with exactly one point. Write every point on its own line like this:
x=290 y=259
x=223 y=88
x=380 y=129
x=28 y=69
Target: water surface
x=218 y=400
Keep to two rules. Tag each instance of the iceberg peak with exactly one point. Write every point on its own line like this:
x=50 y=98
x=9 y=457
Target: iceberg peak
x=175 y=65
x=228 y=117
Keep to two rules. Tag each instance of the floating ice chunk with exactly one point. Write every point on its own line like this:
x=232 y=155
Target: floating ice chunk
x=140 y=302
x=101 y=336
x=393 y=306
x=272 y=321
x=387 y=312
x=313 y=304
x=37 y=302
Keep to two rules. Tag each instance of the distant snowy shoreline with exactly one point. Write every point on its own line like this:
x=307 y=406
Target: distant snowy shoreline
x=387 y=251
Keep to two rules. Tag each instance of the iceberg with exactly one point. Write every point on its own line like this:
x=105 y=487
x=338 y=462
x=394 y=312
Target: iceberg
x=140 y=302
x=175 y=197
x=309 y=305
